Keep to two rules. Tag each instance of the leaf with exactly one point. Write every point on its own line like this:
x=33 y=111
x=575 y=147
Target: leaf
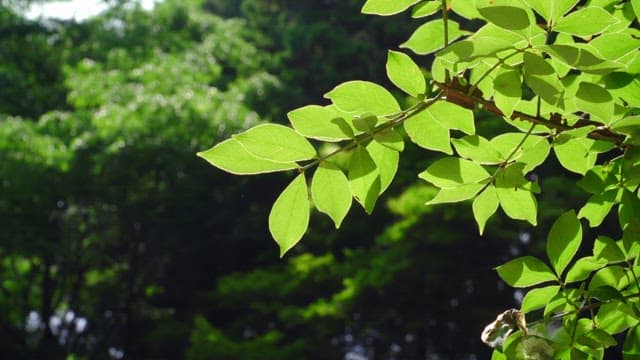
x=540 y=76
x=532 y=152
x=485 y=205
x=430 y=128
x=320 y=123
x=365 y=122
x=429 y=37
x=607 y=249
x=508 y=91
x=552 y=10
x=386 y=7
x=587 y=21
x=276 y=143
x=451 y=172
x=518 y=203
x=631 y=347
x=289 y=217
x=458 y=194
x=231 y=157
x=477 y=149
x=386 y=160
x=426 y=8
x=362 y=96
x=390 y=138
x=537 y=298
x=636 y=8
x=615 y=317
x=507 y=17
x=405 y=74
x=525 y=271
x=364 y=179
x=564 y=240
x=595 y=100
x=598 y=207
x=330 y=192
x=583 y=268
x=574 y=155
x=629 y=208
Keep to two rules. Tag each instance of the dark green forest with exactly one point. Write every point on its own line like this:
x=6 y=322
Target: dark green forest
x=118 y=242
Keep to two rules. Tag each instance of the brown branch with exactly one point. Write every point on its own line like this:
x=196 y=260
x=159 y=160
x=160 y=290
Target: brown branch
x=458 y=94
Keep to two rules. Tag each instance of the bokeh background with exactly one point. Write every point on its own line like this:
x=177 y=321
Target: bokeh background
x=117 y=242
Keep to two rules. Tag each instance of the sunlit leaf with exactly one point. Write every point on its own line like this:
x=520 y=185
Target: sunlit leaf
x=586 y=21
x=484 y=206
x=320 y=123
x=362 y=96
x=405 y=74
x=537 y=298
x=525 y=271
x=232 y=157
x=429 y=37
x=451 y=172
x=276 y=143
x=364 y=178
x=289 y=216
x=386 y=7
x=564 y=240
x=330 y=192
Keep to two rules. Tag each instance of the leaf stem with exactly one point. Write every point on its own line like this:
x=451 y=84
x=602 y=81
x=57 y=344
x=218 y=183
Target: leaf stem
x=491 y=69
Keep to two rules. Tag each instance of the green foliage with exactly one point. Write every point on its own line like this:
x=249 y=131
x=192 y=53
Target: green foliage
x=574 y=80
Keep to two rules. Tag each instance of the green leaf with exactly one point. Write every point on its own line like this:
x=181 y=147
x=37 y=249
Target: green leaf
x=365 y=122
x=458 y=194
x=607 y=249
x=362 y=96
x=464 y=8
x=595 y=100
x=606 y=293
x=574 y=155
x=552 y=10
x=598 y=207
x=289 y=217
x=525 y=271
x=615 y=317
x=587 y=21
x=507 y=17
x=430 y=128
x=425 y=8
x=564 y=240
x=364 y=179
x=540 y=76
x=609 y=276
x=583 y=268
x=231 y=157
x=636 y=8
x=320 y=123
x=629 y=126
x=386 y=160
x=330 y=192
x=518 y=203
x=429 y=37
x=405 y=74
x=276 y=143
x=537 y=298
x=508 y=91
x=485 y=205
x=390 y=138
x=477 y=149
x=629 y=208
x=532 y=152
x=452 y=172
x=631 y=347
x=386 y=7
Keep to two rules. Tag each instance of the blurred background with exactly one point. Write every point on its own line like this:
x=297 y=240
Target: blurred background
x=117 y=242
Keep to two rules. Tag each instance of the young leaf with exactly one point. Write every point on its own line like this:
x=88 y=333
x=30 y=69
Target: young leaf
x=451 y=172
x=564 y=240
x=429 y=37
x=330 y=192
x=364 y=179
x=586 y=21
x=289 y=217
x=525 y=271
x=537 y=298
x=386 y=160
x=386 y=7
x=318 y=122
x=405 y=74
x=362 y=96
x=485 y=205
x=276 y=143
x=232 y=157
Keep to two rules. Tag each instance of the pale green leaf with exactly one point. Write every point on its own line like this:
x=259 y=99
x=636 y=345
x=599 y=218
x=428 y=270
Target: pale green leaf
x=586 y=21
x=231 y=157
x=426 y=8
x=453 y=116
x=386 y=160
x=429 y=37
x=532 y=152
x=507 y=17
x=289 y=216
x=464 y=8
x=458 y=194
x=564 y=240
x=518 y=203
x=574 y=154
x=330 y=192
x=386 y=7
x=451 y=172
x=595 y=100
x=598 y=207
x=525 y=271
x=484 y=206
x=364 y=178
x=606 y=248
x=540 y=76
x=552 y=10
x=405 y=74
x=583 y=268
x=538 y=298
x=320 y=123
x=362 y=96
x=390 y=138
x=428 y=133
x=477 y=149
x=508 y=91
x=276 y=143
x=636 y=8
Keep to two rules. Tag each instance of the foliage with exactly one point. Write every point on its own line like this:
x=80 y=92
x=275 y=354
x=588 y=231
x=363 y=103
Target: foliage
x=568 y=85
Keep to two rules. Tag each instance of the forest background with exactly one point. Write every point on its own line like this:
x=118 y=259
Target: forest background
x=118 y=242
